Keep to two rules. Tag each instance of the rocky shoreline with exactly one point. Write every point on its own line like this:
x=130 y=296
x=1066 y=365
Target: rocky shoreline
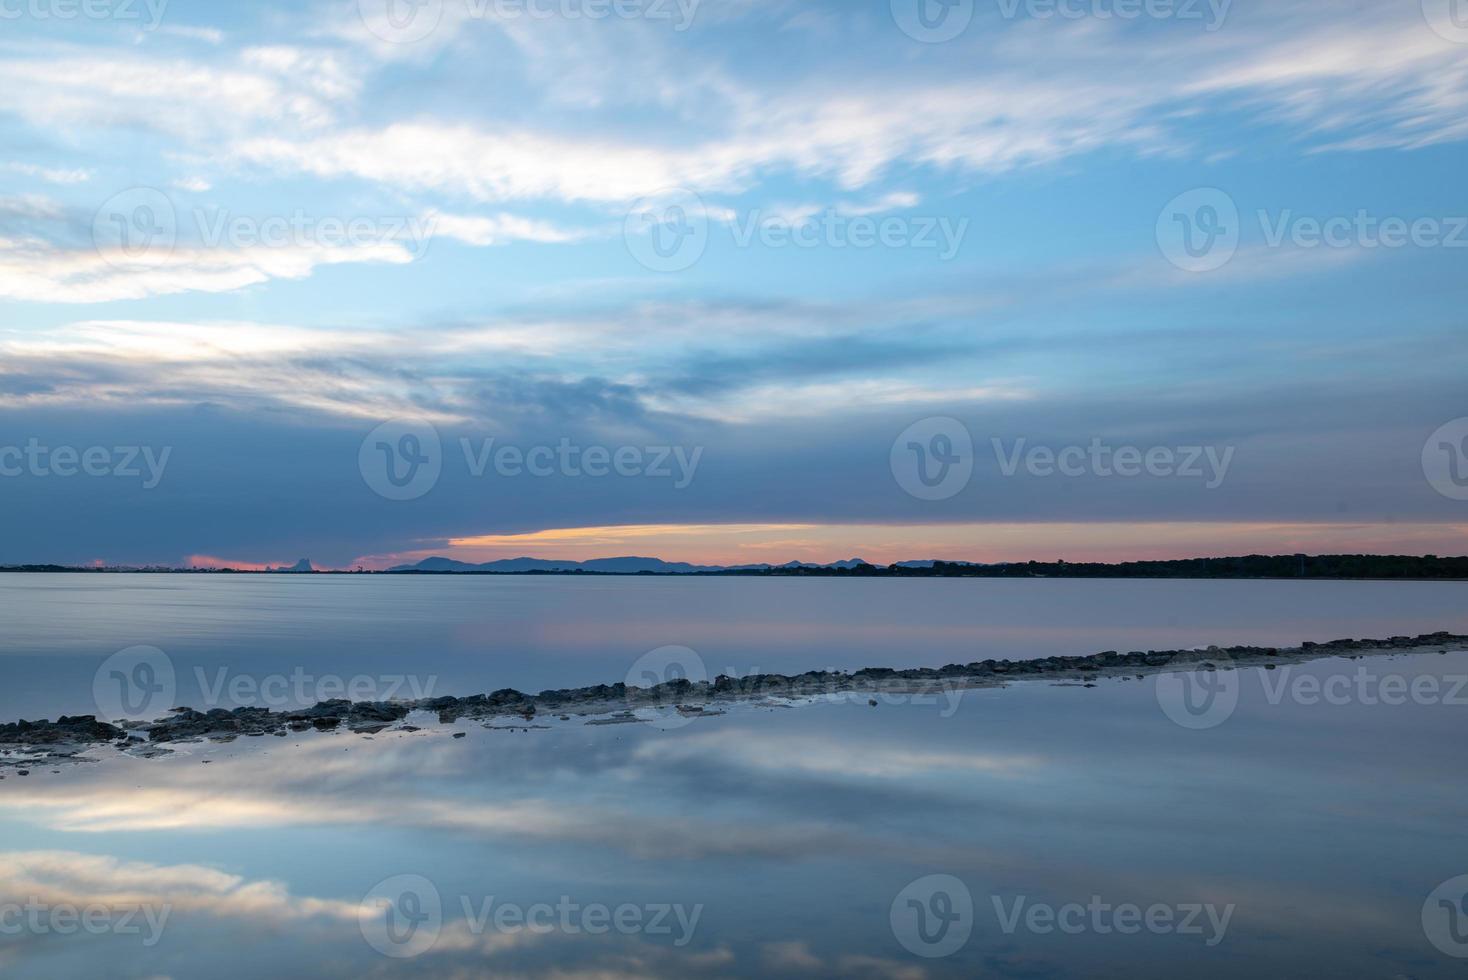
x=604 y=704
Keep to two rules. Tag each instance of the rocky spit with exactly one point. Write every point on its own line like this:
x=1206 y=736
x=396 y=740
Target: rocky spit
x=26 y=742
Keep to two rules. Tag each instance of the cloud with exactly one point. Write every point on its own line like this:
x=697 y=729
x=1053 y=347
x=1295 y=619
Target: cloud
x=86 y=89
x=40 y=272
x=52 y=175
x=208 y=35
x=1381 y=81
x=500 y=229
x=834 y=758
x=81 y=880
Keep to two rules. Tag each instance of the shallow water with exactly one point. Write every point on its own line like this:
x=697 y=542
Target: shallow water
x=234 y=640
x=1294 y=823
x=790 y=840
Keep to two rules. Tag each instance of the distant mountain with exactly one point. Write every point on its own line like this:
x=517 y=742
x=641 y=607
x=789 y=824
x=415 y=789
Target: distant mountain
x=611 y=566
x=615 y=566
x=301 y=567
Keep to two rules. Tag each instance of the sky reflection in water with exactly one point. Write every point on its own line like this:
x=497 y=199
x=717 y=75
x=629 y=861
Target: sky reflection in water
x=782 y=837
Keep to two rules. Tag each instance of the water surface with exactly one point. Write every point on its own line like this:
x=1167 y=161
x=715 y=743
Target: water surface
x=478 y=633
x=792 y=832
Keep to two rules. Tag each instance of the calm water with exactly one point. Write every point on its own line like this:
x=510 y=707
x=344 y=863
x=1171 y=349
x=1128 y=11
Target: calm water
x=1316 y=827
x=472 y=634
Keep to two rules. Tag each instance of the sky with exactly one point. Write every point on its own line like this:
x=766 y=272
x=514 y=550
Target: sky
x=731 y=281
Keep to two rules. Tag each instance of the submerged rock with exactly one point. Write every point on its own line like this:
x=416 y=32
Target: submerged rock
x=614 y=704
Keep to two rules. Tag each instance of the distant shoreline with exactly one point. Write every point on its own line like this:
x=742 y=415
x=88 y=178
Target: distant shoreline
x=1424 y=568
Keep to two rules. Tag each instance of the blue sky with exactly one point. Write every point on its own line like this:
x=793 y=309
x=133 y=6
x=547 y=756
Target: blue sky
x=331 y=219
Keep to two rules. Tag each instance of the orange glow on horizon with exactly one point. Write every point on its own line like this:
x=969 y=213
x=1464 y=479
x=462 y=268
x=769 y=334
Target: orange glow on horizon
x=881 y=544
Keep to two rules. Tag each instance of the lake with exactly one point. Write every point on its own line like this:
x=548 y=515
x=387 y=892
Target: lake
x=1314 y=828
x=469 y=634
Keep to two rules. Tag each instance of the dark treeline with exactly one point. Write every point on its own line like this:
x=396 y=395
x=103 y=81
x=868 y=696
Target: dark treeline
x=1247 y=566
